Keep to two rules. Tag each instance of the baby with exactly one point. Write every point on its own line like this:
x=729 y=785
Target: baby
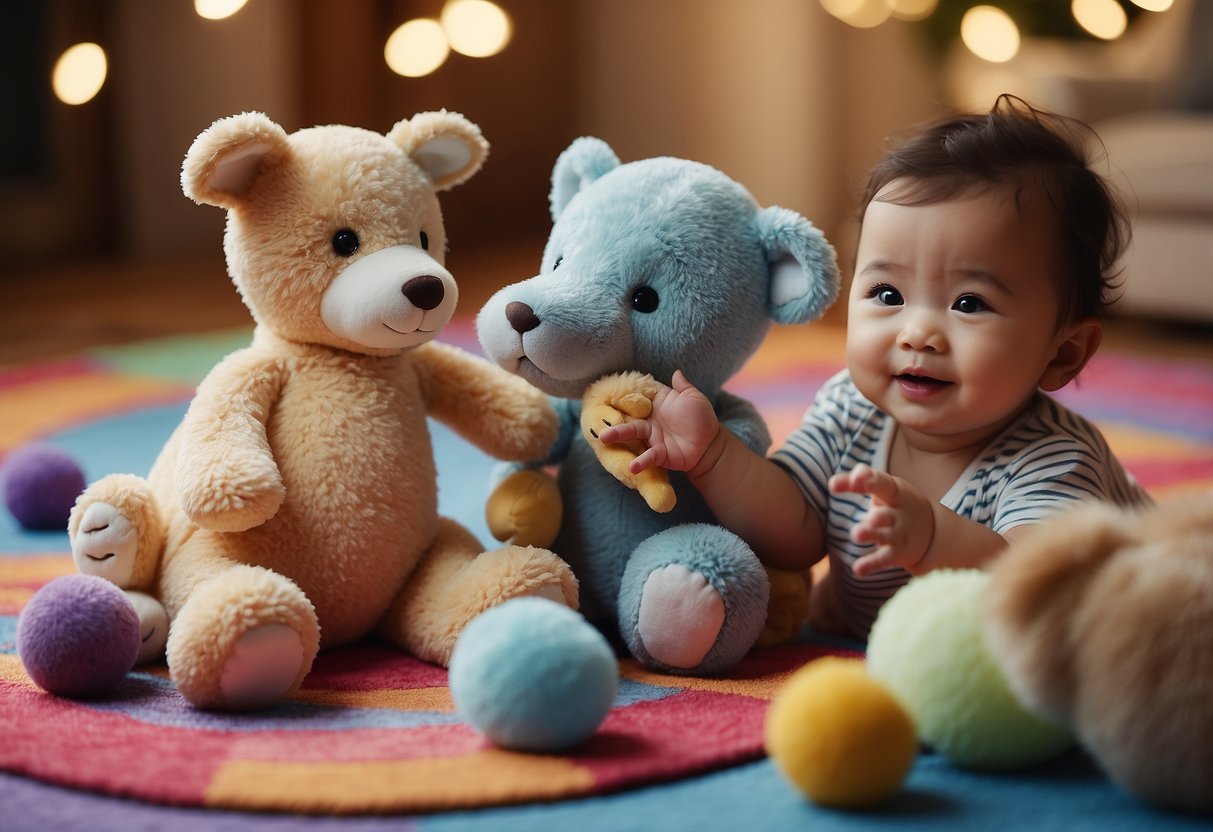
x=981 y=274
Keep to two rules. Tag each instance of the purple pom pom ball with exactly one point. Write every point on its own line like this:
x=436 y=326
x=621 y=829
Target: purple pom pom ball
x=78 y=636
x=41 y=484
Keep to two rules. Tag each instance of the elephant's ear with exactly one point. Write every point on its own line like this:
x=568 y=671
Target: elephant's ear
x=583 y=161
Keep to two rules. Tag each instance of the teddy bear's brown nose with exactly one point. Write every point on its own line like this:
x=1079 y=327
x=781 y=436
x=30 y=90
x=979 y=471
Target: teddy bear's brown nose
x=521 y=316
x=424 y=292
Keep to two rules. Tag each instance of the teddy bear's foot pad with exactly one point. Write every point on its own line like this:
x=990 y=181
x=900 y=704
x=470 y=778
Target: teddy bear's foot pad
x=106 y=544
x=153 y=626
x=262 y=667
x=681 y=615
x=551 y=592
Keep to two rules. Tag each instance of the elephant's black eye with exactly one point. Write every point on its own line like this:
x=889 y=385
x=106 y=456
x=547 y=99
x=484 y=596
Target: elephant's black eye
x=425 y=241
x=645 y=299
x=345 y=242
x=556 y=265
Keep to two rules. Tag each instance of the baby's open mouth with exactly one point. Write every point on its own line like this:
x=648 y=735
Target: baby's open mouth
x=920 y=385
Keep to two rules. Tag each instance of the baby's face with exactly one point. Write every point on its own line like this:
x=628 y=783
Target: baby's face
x=953 y=311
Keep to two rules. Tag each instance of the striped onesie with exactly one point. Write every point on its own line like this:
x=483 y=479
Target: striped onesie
x=1042 y=462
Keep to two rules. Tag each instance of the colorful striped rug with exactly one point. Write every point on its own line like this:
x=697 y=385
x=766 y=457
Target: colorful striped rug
x=373 y=731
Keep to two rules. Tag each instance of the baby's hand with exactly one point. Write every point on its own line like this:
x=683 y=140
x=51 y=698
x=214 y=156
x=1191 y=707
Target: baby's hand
x=899 y=521
x=678 y=431
x=616 y=400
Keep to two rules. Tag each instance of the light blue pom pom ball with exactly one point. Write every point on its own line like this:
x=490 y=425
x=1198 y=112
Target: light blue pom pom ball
x=533 y=675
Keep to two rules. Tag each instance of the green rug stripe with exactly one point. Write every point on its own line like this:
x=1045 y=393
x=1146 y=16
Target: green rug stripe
x=184 y=358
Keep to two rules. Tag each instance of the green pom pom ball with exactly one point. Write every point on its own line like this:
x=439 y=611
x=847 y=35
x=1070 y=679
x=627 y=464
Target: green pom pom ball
x=927 y=647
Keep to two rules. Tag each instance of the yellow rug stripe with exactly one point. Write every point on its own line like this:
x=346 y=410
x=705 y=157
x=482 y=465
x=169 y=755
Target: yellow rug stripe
x=764 y=687
x=39 y=408
x=11 y=670
x=25 y=568
x=417 y=699
x=421 y=785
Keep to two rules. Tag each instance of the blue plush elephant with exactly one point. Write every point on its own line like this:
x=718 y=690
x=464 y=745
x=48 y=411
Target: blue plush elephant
x=653 y=266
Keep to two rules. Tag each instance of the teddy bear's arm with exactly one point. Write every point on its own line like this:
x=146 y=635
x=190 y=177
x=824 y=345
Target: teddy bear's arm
x=498 y=412
x=226 y=475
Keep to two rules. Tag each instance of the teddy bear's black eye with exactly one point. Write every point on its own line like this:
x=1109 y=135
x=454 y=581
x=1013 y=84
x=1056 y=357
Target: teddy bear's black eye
x=425 y=241
x=345 y=242
x=645 y=299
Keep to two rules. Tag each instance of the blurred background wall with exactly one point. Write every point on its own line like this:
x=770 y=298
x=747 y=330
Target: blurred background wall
x=795 y=98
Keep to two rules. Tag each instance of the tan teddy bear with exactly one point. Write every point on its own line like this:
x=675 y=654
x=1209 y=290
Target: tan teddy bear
x=1102 y=620
x=296 y=504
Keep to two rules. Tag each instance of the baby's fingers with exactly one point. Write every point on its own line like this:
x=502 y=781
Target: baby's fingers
x=875 y=526
x=862 y=479
x=625 y=432
x=882 y=558
x=854 y=481
x=645 y=460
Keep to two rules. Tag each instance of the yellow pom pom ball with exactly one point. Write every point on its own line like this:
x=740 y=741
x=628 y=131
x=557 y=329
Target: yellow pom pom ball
x=839 y=736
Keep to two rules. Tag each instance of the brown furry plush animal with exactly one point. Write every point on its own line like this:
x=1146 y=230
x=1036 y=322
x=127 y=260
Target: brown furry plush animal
x=1103 y=620
x=296 y=505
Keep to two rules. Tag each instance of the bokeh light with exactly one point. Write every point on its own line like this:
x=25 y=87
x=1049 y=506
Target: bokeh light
x=416 y=48
x=79 y=73
x=990 y=34
x=1154 y=5
x=1105 y=19
x=912 y=10
x=862 y=14
x=218 y=9
x=476 y=28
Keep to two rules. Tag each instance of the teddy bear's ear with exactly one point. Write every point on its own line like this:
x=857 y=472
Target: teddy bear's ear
x=583 y=161
x=225 y=159
x=446 y=146
x=803 y=268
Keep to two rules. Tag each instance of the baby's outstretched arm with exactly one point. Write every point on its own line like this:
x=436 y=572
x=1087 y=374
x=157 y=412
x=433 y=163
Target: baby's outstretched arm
x=749 y=494
x=910 y=530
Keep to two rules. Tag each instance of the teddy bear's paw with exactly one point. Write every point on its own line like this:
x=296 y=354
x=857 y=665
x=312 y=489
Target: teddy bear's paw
x=788 y=609
x=262 y=667
x=630 y=392
x=525 y=509
x=635 y=405
x=106 y=544
x=681 y=616
x=153 y=626
x=244 y=503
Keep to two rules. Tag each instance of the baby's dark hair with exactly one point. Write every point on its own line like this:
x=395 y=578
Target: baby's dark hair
x=1019 y=145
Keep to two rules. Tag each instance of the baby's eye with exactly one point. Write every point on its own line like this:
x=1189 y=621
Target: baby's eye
x=886 y=295
x=970 y=304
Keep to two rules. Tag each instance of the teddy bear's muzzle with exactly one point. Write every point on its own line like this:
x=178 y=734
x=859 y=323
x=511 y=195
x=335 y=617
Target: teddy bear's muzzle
x=395 y=298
